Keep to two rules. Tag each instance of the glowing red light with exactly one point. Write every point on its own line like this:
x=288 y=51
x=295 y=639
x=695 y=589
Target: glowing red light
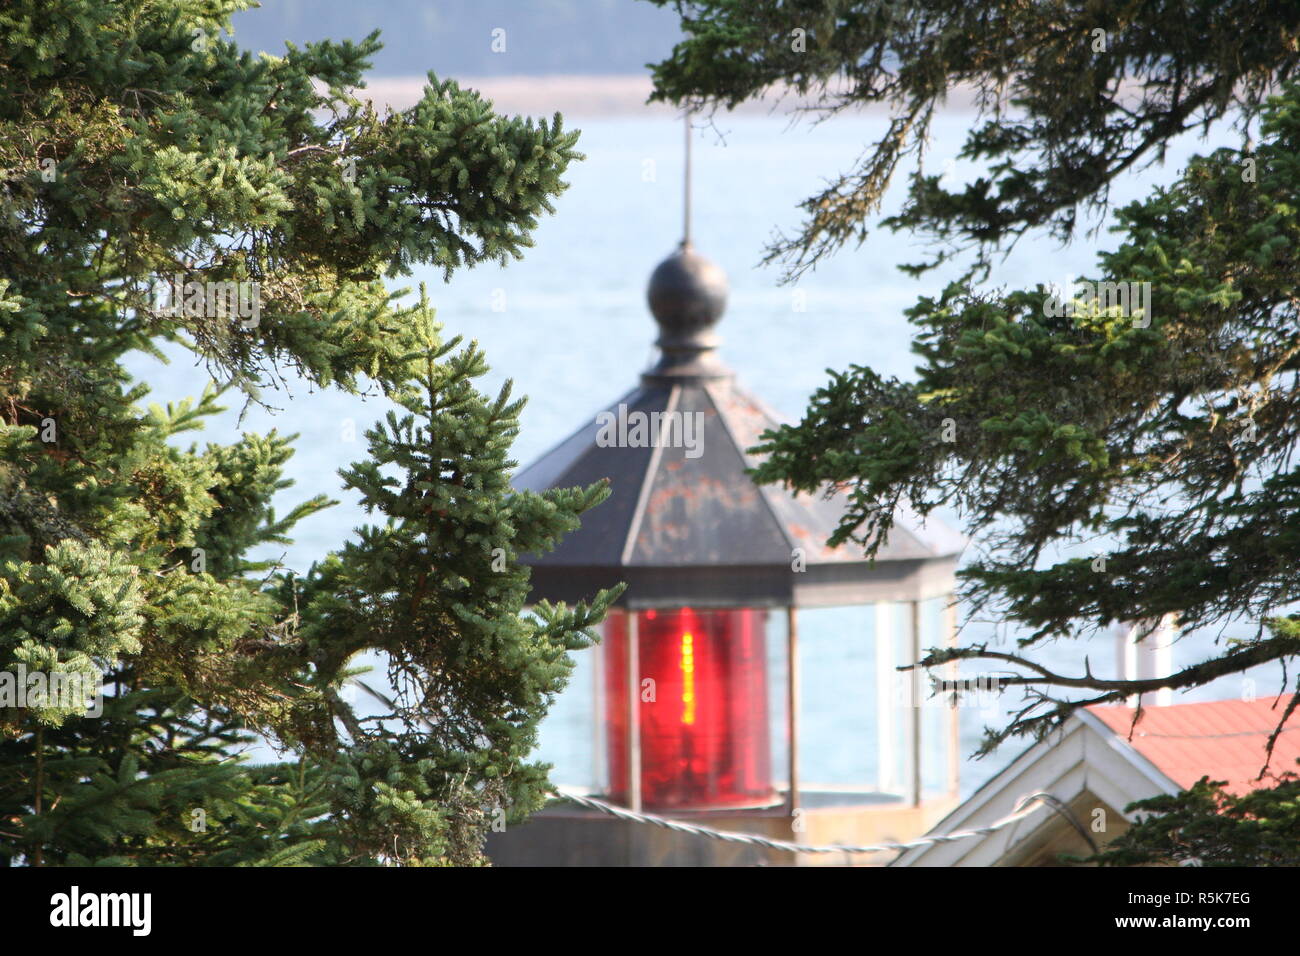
x=703 y=708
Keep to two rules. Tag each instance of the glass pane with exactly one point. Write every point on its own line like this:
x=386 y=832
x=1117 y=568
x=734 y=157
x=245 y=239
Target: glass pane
x=566 y=738
x=777 y=702
x=837 y=696
x=703 y=709
x=937 y=712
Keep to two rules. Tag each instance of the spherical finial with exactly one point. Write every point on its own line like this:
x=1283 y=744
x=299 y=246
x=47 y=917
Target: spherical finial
x=687 y=295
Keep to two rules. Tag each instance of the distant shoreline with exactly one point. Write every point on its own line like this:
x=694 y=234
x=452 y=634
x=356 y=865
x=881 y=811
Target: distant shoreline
x=576 y=95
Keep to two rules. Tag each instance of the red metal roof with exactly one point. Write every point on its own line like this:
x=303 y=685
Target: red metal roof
x=1224 y=739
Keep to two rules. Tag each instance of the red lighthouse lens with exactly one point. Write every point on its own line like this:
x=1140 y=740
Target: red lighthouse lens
x=702 y=707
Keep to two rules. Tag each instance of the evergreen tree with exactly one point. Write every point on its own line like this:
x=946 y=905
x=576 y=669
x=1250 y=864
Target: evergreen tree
x=1156 y=445
x=139 y=146
x=1113 y=461
x=1207 y=826
x=1068 y=96
x=438 y=590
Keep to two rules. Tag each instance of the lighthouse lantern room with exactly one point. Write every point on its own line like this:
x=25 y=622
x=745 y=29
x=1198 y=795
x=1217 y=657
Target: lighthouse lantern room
x=702 y=683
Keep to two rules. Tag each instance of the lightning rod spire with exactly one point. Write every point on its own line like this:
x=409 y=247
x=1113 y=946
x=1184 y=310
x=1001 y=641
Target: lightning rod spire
x=686 y=185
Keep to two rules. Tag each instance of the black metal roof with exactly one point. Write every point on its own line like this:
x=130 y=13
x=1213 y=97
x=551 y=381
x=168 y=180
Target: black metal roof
x=684 y=524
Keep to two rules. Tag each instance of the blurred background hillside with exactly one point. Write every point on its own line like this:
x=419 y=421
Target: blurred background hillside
x=544 y=37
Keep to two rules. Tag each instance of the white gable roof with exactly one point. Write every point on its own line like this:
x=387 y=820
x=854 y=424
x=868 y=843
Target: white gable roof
x=1084 y=755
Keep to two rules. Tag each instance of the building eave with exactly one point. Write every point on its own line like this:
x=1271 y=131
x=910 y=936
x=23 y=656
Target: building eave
x=1083 y=756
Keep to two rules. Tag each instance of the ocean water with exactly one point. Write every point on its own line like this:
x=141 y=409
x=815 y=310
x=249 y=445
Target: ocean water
x=569 y=326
